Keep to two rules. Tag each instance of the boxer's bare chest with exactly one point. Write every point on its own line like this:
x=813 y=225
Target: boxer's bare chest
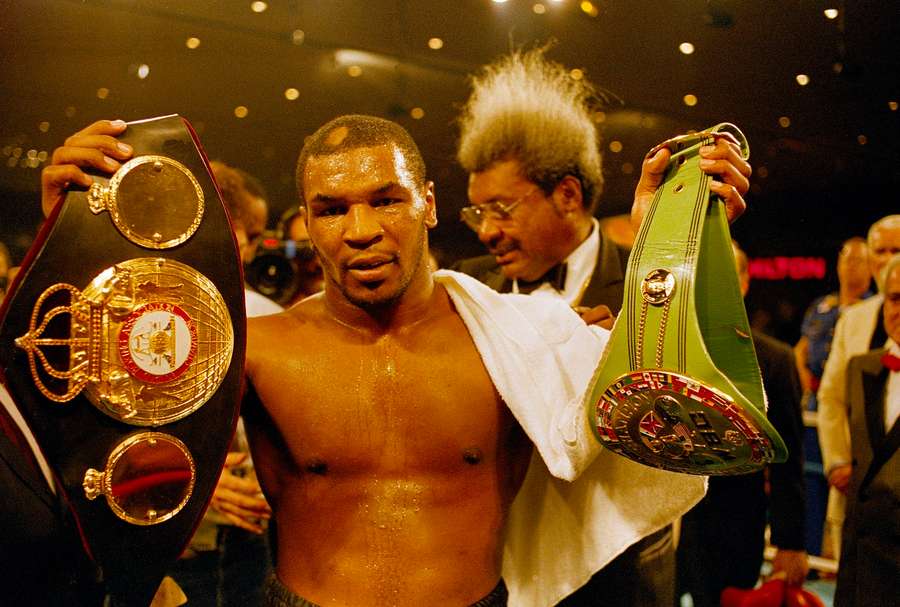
x=414 y=401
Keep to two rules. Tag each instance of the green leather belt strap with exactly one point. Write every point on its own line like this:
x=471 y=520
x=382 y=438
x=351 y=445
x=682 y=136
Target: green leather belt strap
x=679 y=387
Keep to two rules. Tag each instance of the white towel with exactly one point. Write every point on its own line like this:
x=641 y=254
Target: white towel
x=541 y=357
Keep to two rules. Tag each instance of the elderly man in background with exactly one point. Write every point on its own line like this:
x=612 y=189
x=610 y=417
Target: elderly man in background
x=532 y=152
x=869 y=573
x=859 y=329
x=811 y=352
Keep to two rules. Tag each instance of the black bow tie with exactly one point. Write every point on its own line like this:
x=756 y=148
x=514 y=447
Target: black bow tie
x=555 y=277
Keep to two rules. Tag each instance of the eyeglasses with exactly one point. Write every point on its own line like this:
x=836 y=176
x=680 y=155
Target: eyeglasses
x=474 y=215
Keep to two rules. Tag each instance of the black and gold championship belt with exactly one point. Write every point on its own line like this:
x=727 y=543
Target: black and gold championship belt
x=122 y=342
x=679 y=387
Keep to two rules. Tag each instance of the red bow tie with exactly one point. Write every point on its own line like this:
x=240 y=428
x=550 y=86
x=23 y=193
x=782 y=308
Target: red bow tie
x=890 y=361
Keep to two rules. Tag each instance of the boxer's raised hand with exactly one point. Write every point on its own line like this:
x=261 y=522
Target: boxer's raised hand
x=95 y=148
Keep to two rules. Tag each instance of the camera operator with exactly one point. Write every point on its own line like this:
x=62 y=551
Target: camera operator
x=285 y=268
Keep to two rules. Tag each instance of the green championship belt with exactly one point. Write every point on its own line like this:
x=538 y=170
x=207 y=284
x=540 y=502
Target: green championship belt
x=679 y=386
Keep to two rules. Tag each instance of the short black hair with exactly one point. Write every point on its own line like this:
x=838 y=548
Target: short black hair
x=357 y=131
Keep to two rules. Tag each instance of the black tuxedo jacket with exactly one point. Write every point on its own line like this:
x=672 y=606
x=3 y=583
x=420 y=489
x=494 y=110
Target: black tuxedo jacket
x=42 y=562
x=869 y=571
x=606 y=286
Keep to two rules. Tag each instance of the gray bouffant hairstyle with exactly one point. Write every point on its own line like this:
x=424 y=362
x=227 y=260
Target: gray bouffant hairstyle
x=530 y=109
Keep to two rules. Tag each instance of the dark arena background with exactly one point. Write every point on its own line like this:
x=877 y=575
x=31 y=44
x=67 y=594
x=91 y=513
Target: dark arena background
x=815 y=91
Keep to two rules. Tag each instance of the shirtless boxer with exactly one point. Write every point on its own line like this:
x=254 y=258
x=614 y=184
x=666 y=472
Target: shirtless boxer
x=380 y=440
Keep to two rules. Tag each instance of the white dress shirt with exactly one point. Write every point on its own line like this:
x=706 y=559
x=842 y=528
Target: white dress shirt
x=580 y=266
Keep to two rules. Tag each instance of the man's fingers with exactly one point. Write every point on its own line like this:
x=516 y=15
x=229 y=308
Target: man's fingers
x=600 y=315
x=249 y=524
x=85 y=157
x=241 y=505
x=103 y=127
x=724 y=160
x=735 y=205
x=110 y=146
x=55 y=180
x=235 y=458
x=62 y=176
x=654 y=167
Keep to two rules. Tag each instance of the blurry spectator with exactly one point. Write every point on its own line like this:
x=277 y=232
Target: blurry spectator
x=309 y=273
x=811 y=352
x=859 y=329
x=821 y=316
x=869 y=572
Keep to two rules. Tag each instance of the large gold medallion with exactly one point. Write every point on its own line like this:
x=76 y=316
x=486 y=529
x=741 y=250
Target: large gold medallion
x=149 y=341
x=154 y=201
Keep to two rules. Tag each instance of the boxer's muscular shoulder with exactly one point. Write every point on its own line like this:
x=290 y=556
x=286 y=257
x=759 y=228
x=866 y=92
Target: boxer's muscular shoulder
x=286 y=337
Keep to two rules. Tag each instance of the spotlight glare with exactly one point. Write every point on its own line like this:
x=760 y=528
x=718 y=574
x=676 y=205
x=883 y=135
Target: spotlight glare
x=417 y=113
x=298 y=36
x=291 y=94
x=499 y=1
x=258 y=6
x=802 y=79
x=192 y=43
x=615 y=147
x=784 y=121
x=241 y=111
x=576 y=74
x=354 y=71
x=539 y=9
x=589 y=8
x=892 y=105
x=44 y=126
x=102 y=93
x=686 y=47
x=690 y=100
x=143 y=71
x=435 y=43
x=831 y=13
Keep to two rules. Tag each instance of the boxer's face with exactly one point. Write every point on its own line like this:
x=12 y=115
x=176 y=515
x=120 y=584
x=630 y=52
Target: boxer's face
x=892 y=304
x=367 y=219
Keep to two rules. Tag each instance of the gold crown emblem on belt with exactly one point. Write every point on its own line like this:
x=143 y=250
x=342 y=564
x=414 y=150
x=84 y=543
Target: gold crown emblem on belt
x=148 y=341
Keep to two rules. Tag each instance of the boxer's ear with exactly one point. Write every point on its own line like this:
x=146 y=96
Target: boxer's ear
x=431 y=219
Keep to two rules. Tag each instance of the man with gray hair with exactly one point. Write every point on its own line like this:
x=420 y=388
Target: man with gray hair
x=532 y=152
x=870 y=556
x=859 y=329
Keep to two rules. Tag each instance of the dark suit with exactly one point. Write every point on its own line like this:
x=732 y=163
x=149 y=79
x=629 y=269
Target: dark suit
x=869 y=571
x=643 y=575
x=606 y=286
x=42 y=562
x=722 y=537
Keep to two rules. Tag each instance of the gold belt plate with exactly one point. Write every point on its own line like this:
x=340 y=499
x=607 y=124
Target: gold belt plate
x=149 y=341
